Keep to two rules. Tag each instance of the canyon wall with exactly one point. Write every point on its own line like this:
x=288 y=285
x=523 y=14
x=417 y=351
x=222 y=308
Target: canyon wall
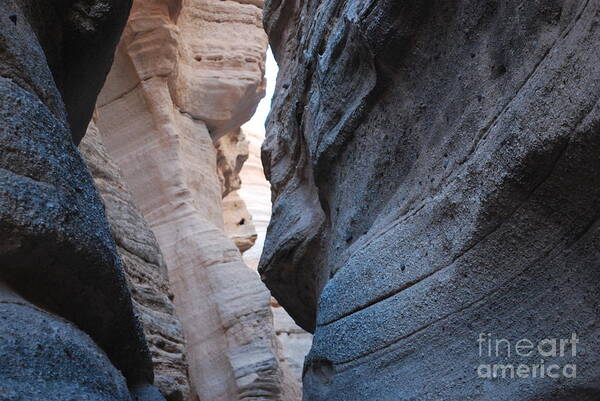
x=435 y=175
x=256 y=194
x=255 y=191
x=186 y=76
x=145 y=270
x=246 y=214
x=68 y=326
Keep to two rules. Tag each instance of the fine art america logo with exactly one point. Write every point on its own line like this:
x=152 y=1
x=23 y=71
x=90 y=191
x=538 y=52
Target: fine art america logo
x=525 y=359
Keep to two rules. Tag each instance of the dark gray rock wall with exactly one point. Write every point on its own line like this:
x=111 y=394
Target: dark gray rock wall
x=435 y=174
x=78 y=38
x=46 y=358
x=56 y=249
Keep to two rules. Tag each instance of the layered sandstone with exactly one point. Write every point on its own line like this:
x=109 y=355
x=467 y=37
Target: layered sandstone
x=69 y=329
x=239 y=224
x=256 y=194
x=145 y=269
x=185 y=75
x=435 y=175
x=232 y=153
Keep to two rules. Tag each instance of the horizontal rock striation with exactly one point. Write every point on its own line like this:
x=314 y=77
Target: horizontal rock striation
x=435 y=176
x=256 y=194
x=145 y=269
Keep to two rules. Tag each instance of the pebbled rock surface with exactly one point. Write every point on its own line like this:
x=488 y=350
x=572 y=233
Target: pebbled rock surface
x=145 y=269
x=46 y=358
x=56 y=248
x=185 y=75
x=435 y=175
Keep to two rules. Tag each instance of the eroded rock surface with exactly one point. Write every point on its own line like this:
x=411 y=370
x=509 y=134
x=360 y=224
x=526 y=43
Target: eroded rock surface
x=239 y=225
x=232 y=153
x=78 y=39
x=256 y=194
x=45 y=357
x=69 y=306
x=185 y=75
x=435 y=174
x=145 y=269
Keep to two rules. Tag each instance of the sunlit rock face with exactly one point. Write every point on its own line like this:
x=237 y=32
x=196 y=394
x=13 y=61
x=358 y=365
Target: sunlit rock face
x=144 y=267
x=256 y=193
x=239 y=225
x=68 y=327
x=221 y=69
x=185 y=75
x=232 y=153
x=435 y=175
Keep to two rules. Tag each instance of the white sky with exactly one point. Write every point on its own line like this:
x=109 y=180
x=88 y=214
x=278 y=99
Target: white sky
x=257 y=123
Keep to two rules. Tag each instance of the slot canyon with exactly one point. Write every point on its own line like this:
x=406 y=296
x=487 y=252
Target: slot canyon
x=345 y=200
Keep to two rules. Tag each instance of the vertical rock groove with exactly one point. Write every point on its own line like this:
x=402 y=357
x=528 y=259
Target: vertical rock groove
x=144 y=267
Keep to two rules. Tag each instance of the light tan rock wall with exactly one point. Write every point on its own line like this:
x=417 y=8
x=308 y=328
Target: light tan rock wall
x=255 y=191
x=239 y=225
x=185 y=75
x=145 y=269
x=232 y=153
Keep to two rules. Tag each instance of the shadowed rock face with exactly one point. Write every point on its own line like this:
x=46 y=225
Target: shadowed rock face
x=78 y=38
x=45 y=357
x=56 y=248
x=435 y=173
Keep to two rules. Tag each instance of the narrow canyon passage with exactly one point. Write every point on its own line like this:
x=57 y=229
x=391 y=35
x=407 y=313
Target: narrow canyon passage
x=182 y=83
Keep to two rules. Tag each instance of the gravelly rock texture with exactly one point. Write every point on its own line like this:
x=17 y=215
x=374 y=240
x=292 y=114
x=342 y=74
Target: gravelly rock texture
x=56 y=248
x=46 y=358
x=435 y=174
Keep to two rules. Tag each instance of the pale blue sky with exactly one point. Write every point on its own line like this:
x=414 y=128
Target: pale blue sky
x=257 y=123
